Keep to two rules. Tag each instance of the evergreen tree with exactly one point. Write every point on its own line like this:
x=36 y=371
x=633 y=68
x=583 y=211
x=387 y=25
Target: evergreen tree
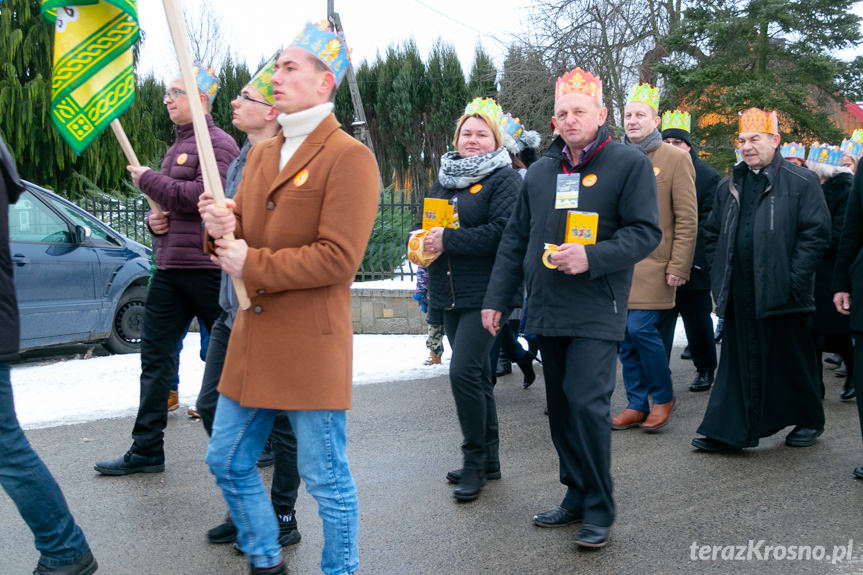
x=483 y=76
x=233 y=77
x=447 y=99
x=527 y=87
x=729 y=55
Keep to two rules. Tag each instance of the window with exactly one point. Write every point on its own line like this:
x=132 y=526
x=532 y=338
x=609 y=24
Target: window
x=100 y=236
x=32 y=221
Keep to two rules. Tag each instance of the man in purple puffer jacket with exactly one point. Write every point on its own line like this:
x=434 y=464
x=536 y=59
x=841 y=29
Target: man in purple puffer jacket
x=185 y=283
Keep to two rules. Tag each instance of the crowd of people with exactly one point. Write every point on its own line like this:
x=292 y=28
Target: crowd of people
x=591 y=249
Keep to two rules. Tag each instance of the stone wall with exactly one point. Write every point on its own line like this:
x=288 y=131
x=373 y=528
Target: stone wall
x=385 y=311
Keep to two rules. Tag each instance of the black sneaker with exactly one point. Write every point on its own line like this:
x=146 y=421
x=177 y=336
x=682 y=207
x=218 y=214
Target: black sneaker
x=279 y=569
x=492 y=472
x=288 y=532
x=131 y=462
x=224 y=533
x=83 y=566
x=266 y=458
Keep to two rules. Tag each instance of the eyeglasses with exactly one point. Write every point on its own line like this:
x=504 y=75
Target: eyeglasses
x=172 y=95
x=242 y=98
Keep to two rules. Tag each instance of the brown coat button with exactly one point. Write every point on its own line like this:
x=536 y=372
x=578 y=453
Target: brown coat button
x=262 y=291
x=258 y=309
x=271 y=205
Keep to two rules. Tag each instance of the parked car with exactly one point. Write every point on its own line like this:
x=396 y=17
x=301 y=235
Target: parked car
x=77 y=280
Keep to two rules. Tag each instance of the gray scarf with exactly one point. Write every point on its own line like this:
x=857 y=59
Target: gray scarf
x=648 y=144
x=457 y=172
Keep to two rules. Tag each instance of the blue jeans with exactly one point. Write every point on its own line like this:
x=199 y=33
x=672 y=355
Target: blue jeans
x=644 y=359
x=33 y=489
x=239 y=434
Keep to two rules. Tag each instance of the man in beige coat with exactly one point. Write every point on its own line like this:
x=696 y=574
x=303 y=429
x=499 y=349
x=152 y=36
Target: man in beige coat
x=645 y=349
x=303 y=214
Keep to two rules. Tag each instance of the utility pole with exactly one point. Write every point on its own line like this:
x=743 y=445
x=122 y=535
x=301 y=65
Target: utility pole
x=361 y=128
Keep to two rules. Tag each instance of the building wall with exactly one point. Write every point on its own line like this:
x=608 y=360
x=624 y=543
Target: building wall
x=386 y=312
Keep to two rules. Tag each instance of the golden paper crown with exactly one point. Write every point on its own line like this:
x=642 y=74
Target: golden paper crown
x=579 y=81
x=485 y=106
x=644 y=93
x=857 y=136
x=678 y=120
x=755 y=120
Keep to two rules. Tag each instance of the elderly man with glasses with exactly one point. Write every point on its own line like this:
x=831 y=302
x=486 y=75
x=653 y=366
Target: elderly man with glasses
x=185 y=283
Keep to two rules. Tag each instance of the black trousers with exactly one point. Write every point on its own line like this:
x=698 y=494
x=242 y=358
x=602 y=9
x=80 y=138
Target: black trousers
x=174 y=298
x=579 y=380
x=694 y=307
x=286 y=477
x=470 y=379
x=857 y=375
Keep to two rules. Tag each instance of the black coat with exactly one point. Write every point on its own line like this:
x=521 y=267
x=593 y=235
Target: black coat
x=591 y=304
x=848 y=273
x=827 y=319
x=791 y=232
x=10 y=188
x=706 y=181
x=459 y=277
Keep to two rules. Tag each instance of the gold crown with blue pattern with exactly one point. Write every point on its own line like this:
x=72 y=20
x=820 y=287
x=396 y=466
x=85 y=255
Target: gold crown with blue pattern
x=676 y=120
x=510 y=130
x=261 y=80
x=852 y=148
x=825 y=154
x=644 y=93
x=328 y=46
x=793 y=150
x=206 y=80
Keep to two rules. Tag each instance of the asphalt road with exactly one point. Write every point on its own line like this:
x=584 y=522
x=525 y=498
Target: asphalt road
x=404 y=437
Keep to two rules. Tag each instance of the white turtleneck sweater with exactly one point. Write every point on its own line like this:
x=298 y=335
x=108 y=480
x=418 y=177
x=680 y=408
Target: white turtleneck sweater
x=297 y=126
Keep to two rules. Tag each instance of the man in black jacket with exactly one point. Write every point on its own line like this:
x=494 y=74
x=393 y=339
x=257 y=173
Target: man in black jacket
x=61 y=543
x=693 y=300
x=767 y=232
x=578 y=299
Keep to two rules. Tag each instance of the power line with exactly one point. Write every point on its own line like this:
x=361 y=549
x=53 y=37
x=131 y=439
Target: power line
x=460 y=23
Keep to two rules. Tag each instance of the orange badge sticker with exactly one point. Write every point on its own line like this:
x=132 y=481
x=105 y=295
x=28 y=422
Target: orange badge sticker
x=301 y=178
x=475 y=188
x=588 y=180
x=656 y=170
x=181 y=159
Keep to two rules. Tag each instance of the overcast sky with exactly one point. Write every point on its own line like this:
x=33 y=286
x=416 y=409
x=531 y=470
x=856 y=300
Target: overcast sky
x=256 y=28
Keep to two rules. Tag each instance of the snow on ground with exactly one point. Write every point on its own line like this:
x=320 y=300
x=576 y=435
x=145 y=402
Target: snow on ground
x=81 y=390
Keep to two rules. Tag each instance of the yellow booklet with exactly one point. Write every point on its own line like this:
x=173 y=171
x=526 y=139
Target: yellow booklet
x=437 y=213
x=581 y=227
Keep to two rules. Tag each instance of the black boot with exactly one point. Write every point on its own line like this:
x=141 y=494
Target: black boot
x=470 y=484
x=526 y=366
x=703 y=381
x=504 y=365
x=849 y=392
x=279 y=569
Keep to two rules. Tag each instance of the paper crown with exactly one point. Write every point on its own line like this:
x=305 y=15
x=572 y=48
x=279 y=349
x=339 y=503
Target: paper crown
x=676 y=120
x=755 y=120
x=487 y=107
x=206 y=80
x=793 y=150
x=825 y=154
x=579 y=82
x=852 y=148
x=261 y=80
x=510 y=130
x=644 y=93
x=326 y=45
x=739 y=155
x=857 y=136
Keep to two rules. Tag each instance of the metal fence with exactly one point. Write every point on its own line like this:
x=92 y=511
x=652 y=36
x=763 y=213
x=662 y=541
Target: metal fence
x=386 y=255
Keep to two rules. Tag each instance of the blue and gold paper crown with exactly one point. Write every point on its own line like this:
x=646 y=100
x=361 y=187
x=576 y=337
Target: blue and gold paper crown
x=793 y=150
x=738 y=155
x=852 y=148
x=261 y=80
x=579 y=81
x=825 y=154
x=676 y=120
x=206 y=80
x=328 y=46
x=510 y=130
x=644 y=93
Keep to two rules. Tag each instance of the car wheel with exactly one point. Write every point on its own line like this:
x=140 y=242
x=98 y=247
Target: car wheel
x=128 y=322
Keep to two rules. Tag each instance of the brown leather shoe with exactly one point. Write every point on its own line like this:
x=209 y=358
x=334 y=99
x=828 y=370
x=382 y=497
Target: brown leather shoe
x=173 y=400
x=433 y=359
x=658 y=418
x=628 y=418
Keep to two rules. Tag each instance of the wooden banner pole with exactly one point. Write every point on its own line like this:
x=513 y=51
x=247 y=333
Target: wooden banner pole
x=209 y=167
x=131 y=157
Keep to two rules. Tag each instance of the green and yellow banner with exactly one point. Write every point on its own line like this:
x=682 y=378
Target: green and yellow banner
x=93 y=80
